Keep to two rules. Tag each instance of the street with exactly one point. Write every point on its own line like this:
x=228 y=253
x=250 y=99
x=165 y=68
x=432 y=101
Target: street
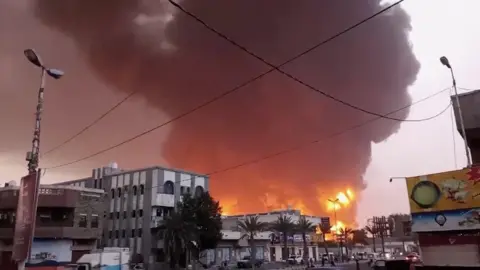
x=346 y=266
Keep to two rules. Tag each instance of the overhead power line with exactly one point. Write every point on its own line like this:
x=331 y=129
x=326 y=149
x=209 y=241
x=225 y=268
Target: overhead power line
x=231 y=90
x=292 y=77
x=331 y=136
x=91 y=124
x=270 y=155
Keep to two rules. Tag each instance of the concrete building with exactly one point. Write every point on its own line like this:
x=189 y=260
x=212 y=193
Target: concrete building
x=137 y=201
x=270 y=250
x=470 y=104
x=68 y=223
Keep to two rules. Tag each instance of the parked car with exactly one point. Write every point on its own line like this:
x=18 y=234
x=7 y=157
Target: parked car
x=295 y=259
x=246 y=262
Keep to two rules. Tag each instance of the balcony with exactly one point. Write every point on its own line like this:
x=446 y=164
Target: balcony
x=166 y=200
x=156 y=222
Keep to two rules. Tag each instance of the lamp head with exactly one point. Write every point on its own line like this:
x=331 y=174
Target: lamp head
x=33 y=57
x=55 y=73
x=445 y=62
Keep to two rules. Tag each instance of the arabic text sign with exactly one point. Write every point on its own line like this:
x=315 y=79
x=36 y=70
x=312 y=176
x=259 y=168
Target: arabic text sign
x=25 y=217
x=445 y=191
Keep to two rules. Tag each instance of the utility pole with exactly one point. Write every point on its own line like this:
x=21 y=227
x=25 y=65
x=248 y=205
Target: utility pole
x=33 y=156
x=335 y=202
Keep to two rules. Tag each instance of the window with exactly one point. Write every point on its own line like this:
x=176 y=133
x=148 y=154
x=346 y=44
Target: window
x=188 y=190
x=134 y=190
x=94 y=222
x=182 y=190
x=142 y=189
x=117 y=214
x=125 y=190
x=140 y=213
x=113 y=193
x=124 y=214
x=110 y=234
x=45 y=217
x=119 y=190
x=159 y=212
x=83 y=221
x=160 y=235
x=139 y=232
x=111 y=215
x=116 y=233
x=133 y=213
x=168 y=187
x=123 y=234
x=133 y=233
x=198 y=191
x=95 y=183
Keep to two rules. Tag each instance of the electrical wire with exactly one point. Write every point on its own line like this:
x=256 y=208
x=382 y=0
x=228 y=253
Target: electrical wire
x=277 y=68
x=233 y=89
x=91 y=124
x=271 y=155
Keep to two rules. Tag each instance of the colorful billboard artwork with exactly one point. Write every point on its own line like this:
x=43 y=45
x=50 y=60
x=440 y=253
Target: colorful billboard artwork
x=445 y=191
x=51 y=251
x=25 y=217
x=463 y=219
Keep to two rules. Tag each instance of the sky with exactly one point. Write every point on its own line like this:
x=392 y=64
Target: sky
x=440 y=27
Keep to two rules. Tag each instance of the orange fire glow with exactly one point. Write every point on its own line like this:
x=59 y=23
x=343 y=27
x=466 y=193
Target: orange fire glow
x=344 y=199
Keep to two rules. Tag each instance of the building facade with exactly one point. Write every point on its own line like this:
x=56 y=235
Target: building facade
x=68 y=223
x=470 y=104
x=137 y=202
x=269 y=245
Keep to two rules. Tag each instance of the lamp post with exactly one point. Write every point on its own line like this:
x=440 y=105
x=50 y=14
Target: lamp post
x=335 y=202
x=32 y=156
x=445 y=62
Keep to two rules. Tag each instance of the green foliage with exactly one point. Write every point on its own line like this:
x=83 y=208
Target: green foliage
x=283 y=225
x=251 y=226
x=194 y=226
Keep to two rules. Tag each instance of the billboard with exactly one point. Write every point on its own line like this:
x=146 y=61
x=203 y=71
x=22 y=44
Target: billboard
x=445 y=191
x=461 y=219
x=25 y=217
x=51 y=251
x=445 y=201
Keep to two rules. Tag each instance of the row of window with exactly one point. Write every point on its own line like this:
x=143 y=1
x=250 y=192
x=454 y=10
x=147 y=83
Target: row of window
x=123 y=233
x=83 y=222
x=116 y=215
x=125 y=191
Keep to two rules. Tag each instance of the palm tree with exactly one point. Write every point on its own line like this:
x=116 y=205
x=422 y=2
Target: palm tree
x=305 y=227
x=178 y=235
x=359 y=237
x=250 y=227
x=373 y=230
x=324 y=229
x=346 y=232
x=285 y=226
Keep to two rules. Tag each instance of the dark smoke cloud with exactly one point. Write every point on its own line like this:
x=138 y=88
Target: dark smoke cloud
x=178 y=65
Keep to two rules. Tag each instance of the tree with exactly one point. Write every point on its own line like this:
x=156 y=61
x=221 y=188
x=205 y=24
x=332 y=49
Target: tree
x=177 y=235
x=359 y=237
x=285 y=226
x=305 y=227
x=194 y=227
x=251 y=226
x=373 y=230
x=325 y=229
x=346 y=232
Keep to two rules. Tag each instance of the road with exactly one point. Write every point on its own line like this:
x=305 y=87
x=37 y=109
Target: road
x=345 y=266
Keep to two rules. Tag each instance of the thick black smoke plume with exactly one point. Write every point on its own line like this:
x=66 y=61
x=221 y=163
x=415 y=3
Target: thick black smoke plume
x=176 y=64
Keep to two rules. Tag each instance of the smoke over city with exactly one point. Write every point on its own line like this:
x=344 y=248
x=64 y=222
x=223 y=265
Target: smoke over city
x=177 y=64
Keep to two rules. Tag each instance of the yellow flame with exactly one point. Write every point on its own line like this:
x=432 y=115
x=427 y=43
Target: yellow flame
x=336 y=228
x=350 y=194
x=344 y=199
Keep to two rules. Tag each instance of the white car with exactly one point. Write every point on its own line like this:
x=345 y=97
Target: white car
x=295 y=259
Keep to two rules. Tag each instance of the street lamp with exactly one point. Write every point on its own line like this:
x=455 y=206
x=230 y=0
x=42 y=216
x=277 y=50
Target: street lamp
x=445 y=62
x=335 y=202
x=32 y=156
x=34 y=58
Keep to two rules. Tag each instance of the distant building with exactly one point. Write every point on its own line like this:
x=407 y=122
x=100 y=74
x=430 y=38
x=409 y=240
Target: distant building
x=137 y=201
x=470 y=104
x=269 y=244
x=68 y=223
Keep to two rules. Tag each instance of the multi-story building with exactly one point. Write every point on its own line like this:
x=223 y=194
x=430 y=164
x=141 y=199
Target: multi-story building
x=68 y=223
x=137 y=201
